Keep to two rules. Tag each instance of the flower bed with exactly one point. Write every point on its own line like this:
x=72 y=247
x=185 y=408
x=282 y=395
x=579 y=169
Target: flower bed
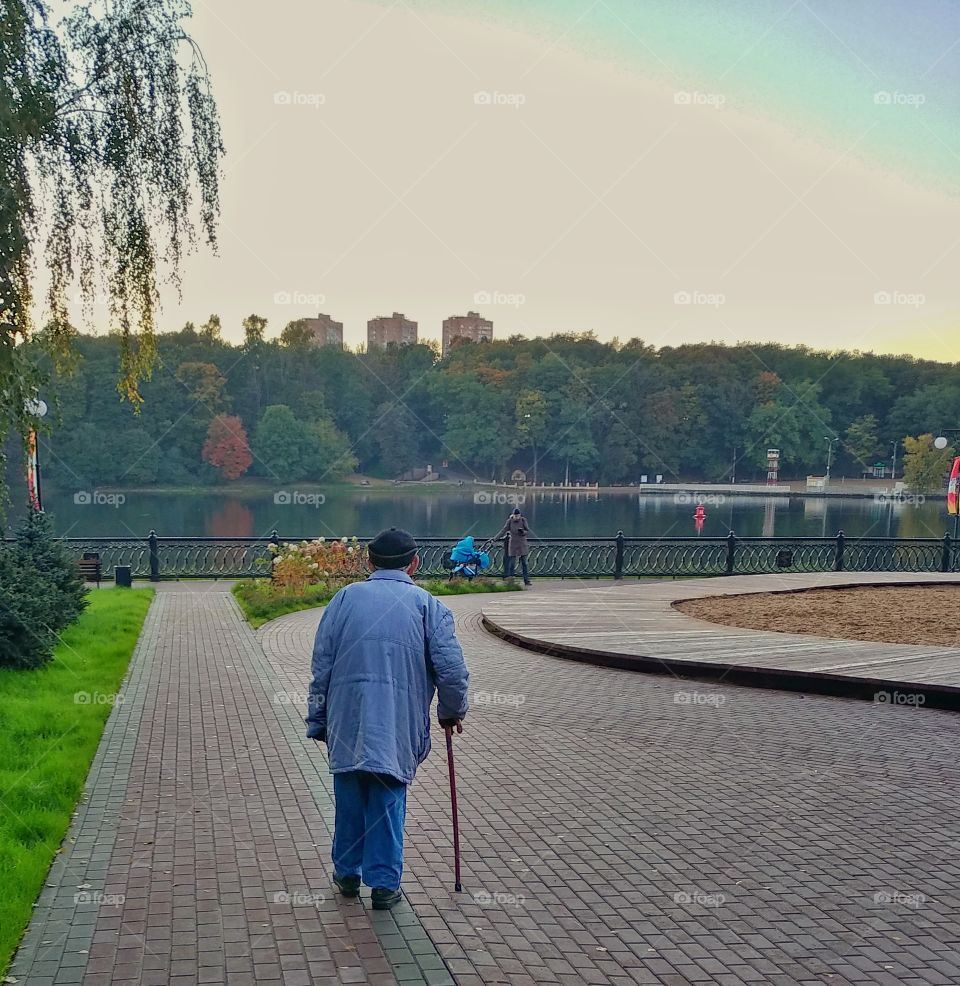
x=297 y=566
x=310 y=573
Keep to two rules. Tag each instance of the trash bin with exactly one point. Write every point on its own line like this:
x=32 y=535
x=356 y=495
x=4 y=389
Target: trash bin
x=123 y=576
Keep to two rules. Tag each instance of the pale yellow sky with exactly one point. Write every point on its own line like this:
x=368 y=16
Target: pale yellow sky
x=382 y=184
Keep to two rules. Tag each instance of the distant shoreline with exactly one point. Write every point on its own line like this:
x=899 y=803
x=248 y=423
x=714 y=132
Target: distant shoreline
x=848 y=489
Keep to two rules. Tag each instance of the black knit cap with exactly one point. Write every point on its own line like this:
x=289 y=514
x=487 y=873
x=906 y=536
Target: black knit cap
x=392 y=549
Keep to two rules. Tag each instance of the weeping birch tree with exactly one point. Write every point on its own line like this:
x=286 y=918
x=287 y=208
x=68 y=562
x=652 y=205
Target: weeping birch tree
x=110 y=153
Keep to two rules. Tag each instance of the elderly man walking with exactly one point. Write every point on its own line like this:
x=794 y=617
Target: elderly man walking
x=383 y=648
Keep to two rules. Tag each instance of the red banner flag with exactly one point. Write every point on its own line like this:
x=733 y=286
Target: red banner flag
x=952 y=488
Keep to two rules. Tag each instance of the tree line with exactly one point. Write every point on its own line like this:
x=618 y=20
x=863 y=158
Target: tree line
x=566 y=407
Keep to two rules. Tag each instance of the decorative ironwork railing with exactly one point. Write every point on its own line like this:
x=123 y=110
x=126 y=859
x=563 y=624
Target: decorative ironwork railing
x=158 y=558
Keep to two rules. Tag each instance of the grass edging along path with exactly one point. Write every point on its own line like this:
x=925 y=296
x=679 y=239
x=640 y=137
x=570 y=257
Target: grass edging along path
x=262 y=603
x=51 y=721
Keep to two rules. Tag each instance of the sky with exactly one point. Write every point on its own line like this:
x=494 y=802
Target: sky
x=730 y=170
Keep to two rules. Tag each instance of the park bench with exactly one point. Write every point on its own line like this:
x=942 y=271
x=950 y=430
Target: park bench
x=90 y=567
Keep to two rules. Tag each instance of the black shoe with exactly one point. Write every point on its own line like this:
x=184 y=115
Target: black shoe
x=349 y=886
x=528 y=583
x=384 y=899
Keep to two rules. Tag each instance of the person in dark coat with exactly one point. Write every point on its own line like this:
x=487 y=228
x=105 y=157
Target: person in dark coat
x=384 y=647
x=518 y=529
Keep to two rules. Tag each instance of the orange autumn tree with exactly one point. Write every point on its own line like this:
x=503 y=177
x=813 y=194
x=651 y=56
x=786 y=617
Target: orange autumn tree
x=226 y=446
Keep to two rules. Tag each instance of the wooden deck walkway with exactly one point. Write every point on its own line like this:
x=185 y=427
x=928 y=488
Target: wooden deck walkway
x=634 y=625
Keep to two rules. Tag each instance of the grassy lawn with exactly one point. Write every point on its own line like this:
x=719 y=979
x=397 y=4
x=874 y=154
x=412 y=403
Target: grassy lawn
x=261 y=602
x=48 y=737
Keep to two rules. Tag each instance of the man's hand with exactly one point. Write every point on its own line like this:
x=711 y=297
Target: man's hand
x=452 y=724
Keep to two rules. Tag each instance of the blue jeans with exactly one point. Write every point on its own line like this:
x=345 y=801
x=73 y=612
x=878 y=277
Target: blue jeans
x=512 y=567
x=368 y=830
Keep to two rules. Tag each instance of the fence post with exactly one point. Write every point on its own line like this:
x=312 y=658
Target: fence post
x=838 y=560
x=274 y=543
x=154 y=557
x=731 y=551
x=945 y=554
x=618 y=558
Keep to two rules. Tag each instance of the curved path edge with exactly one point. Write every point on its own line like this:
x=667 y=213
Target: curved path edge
x=646 y=633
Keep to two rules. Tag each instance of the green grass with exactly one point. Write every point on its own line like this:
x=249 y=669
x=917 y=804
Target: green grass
x=262 y=603
x=48 y=739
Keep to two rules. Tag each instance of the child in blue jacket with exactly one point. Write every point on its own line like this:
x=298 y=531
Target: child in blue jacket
x=383 y=647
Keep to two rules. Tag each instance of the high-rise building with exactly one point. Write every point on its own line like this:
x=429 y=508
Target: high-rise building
x=396 y=328
x=470 y=326
x=324 y=330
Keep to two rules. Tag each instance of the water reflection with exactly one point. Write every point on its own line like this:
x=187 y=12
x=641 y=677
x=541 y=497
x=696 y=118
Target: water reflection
x=454 y=513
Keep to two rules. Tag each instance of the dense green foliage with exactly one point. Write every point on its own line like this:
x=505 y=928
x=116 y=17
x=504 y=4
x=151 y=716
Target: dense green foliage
x=41 y=592
x=51 y=721
x=583 y=409
x=262 y=601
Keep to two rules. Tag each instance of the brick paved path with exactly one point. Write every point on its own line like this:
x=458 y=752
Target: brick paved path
x=202 y=852
x=616 y=828
x=621 y=829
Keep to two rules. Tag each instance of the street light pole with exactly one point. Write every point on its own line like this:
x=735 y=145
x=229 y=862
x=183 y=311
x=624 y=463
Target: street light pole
x=940 y=442
x=830 y=443
x=37 y=408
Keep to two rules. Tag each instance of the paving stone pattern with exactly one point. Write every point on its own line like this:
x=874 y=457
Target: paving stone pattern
x=215 y=867
x=621 y=828
x=617 y=828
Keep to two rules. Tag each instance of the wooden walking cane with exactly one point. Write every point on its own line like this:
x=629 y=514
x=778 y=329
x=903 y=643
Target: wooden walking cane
x=453 y=806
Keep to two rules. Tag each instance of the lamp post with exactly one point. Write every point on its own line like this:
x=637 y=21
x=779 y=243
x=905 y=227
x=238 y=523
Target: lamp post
x=37 y=409
x=534 y=442
x=940 y=442
x=830 y=443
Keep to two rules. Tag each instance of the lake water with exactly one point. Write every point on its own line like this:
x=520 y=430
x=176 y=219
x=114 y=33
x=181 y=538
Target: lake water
x=453 y=513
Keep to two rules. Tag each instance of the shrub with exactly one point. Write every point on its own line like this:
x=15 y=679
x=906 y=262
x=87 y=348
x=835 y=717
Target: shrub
x=27 y=633
x=67 y=594
x=41 y=592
